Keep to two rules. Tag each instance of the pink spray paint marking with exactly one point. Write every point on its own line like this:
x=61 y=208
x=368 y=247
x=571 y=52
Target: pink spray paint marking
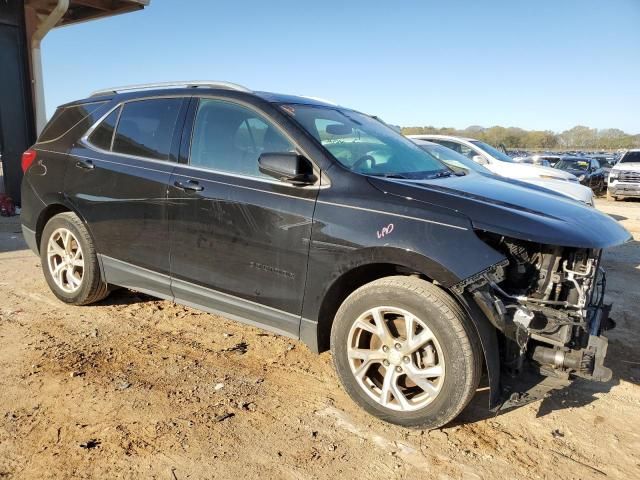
x=385 y=231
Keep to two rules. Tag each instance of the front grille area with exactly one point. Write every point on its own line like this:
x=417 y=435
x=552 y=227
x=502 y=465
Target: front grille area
x=630 y=177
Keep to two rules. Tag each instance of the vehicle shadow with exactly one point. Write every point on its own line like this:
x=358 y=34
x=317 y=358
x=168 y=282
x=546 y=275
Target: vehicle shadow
x=574 y=394
x=123 y=297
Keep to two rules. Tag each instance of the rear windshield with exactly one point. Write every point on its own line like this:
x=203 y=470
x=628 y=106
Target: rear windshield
x=631 y=157
x=65 y=119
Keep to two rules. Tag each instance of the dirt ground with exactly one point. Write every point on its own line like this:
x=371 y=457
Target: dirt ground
x=140 y=388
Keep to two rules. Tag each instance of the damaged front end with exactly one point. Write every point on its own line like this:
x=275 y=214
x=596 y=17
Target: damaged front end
x=548 y=302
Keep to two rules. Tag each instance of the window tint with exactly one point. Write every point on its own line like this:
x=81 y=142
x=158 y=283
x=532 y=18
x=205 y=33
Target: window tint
x=103 y=133
x=146 y=127
x=230 y=138
x=65 y=119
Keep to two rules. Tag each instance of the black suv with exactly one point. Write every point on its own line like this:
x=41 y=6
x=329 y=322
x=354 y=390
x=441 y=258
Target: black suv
x=323 y=224
x=588 y=171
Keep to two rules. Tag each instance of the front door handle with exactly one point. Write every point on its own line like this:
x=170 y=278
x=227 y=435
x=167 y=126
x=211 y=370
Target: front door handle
x=85 y=164
x=190 y=185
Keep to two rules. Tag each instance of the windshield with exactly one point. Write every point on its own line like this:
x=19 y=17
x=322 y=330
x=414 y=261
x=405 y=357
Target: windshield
x=573 y=164
x=366 y=145
x=631 y=157
x=494 y=152
x=453 y=159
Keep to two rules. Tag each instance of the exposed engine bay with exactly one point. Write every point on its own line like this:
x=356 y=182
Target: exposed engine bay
x=548 y=301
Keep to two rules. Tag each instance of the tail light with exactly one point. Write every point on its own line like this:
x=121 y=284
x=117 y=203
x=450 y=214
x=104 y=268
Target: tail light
x=27 y=159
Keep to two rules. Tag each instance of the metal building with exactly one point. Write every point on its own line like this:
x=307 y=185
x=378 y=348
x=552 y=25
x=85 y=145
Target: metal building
x=23 y=25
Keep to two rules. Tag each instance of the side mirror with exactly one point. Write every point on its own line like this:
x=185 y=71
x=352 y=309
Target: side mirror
x=288 y=167
x=479 y=159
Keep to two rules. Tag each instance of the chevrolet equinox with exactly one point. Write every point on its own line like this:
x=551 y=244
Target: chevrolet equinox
x=321 y=223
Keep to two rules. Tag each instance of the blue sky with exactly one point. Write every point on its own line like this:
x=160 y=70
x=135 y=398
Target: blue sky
x=543 y=64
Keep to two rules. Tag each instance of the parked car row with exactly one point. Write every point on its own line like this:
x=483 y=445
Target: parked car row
x=503 y=165
x=420 y=268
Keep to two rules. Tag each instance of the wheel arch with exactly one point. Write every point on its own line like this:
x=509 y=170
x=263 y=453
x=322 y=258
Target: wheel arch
x=50 y=211
x=318 y=337
x=366 y=266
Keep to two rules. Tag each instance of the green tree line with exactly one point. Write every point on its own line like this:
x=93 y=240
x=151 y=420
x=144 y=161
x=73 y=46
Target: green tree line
x=576 y=138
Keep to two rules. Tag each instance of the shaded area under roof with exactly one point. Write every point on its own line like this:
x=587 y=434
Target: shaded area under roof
x=84 y=10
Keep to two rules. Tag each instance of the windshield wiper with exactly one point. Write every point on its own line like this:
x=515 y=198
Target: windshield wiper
x=442 y=174
x=387 y=175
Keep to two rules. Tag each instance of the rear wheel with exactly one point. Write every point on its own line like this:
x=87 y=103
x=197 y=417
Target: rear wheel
x=406 y=352
x=69 y=261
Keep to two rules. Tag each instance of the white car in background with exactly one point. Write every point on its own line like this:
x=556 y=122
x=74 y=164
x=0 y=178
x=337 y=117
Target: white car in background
x=624 y=177
x=501 y=164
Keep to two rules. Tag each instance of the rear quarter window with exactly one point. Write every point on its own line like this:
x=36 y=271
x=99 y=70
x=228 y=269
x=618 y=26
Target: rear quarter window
x=65 y=118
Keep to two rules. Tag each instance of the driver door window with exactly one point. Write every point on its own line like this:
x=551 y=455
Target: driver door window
x=468 y=152
x=230 y=138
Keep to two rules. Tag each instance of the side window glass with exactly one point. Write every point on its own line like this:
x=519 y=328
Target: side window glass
x=146 y=128
x=452 y=145
x=230 y=138
x=467 y=152
x=65 y=119
x=103 y=134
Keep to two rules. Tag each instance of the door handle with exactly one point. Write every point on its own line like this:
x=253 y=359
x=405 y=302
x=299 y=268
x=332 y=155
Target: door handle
x=190 y=185
x=86 y=164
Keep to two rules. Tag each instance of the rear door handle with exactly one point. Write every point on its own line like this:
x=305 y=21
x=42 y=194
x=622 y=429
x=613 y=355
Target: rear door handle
x=86 y=164
x=190 y=185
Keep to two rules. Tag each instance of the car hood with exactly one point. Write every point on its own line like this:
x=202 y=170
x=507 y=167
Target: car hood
x=627 y=166
x=513 y=209
x=526 y=170
x=575 y=190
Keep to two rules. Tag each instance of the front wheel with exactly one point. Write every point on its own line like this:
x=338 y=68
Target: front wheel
x=406 y=352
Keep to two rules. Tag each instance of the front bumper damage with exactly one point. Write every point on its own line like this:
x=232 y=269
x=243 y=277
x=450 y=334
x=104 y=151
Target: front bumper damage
x=553 y=332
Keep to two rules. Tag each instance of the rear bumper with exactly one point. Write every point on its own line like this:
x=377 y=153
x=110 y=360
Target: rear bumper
x=30 y=239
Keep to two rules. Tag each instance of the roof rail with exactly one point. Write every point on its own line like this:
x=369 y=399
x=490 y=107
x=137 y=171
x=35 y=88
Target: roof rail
x=191 y=84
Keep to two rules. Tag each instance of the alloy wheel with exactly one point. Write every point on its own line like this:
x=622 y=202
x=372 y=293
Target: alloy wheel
x=395 y=358
x=65 y=260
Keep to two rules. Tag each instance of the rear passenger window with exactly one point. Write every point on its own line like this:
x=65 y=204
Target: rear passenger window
x=146 y=128
x=103 y=133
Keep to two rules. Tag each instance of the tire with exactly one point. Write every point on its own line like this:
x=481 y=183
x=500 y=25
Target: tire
x=456 y=351
x=78 y=283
